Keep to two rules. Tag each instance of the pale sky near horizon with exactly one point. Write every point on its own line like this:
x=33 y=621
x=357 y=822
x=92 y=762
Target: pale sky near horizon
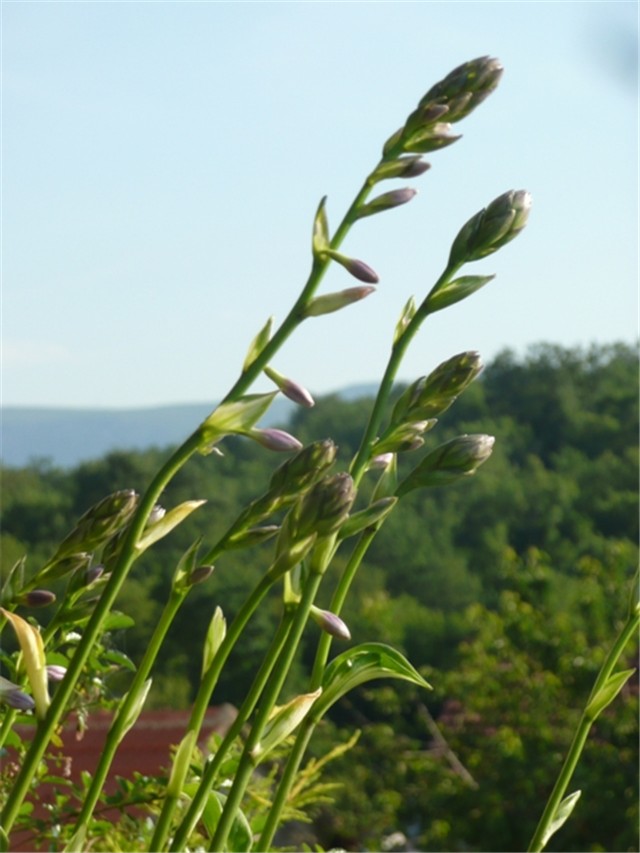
x=162 y=163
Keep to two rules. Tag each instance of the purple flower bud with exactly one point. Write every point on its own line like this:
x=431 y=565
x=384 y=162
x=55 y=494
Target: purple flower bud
x=291 y=389
x=358 y=269
x=403 y=167
x=275 y=439
x=330 y=623
x=14 y=697
x=93 y=574
x=199 y=575
x=37 y=598
x=55 y=672
x=335 y=301
x=386 y=201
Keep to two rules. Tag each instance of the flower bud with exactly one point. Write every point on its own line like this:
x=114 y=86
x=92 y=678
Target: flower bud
x=55 y=672
x=37 y=598
x=404 y=167
x=386 y=201
x=99 y=523
x=199 y=575
x=380 y=462
x=290 y=389
x=358 y=269
x=431 y=138
x=252 y=536
x=331 y=302
x=304 y=469
x=275 y=439
x=459 y=457
x=433 y=394
x=14 y=697
x=464 y=88
x=491 y=228
x=325 y=506
x=158 y=512
x=330 y=623
x=404 y=437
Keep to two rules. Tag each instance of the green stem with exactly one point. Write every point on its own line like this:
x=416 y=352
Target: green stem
x=92 y=631
x=118 y=726
x=362 y=457
x=248 y=762
x=209 y=776
x=580 y=737
x=308 y=725
x=203 y=697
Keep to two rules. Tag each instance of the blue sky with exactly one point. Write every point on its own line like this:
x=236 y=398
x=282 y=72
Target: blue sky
x=162 y=163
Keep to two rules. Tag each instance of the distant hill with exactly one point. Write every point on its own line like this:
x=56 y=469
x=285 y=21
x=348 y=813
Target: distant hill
x=66 y=437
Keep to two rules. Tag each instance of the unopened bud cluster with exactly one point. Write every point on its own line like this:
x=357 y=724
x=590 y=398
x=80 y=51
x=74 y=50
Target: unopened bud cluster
x=460 y=457
x=491 y=228
x=100 y=523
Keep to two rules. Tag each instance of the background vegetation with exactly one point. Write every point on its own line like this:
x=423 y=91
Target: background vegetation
x=505 y=592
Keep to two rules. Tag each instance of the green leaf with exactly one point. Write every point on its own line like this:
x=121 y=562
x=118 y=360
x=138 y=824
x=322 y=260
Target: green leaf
x=240 y=837
x=607 y=693
x=235 y=416
x=455 y=291
x=405 y=318
x=360 y=664
x=133 y=713
x=117 y=658
x=161 y=528
x=258 y=344
x=181 y=763
x=320 y=239
x=77 y=842
x=562 y=814
x=117 y=621
x=186 y=565
x=284 y=720
x=215 y=635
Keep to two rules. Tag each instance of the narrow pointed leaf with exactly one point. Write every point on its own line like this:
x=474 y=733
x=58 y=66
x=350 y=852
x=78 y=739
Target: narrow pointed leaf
x=215 y=635
x=153 y=532
x=181 y=762
x=321 y=239
x=236 y=416
x=456 y=291
x=134 y=712
x=258 y=344
x=562 y=814
x=607 y=693
x=283 y=721
x=360 y=664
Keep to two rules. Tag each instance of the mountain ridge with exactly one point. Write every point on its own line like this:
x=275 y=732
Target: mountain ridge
x=67 y=436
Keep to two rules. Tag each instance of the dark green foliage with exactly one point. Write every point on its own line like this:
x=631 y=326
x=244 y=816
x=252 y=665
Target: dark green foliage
x=505 y=591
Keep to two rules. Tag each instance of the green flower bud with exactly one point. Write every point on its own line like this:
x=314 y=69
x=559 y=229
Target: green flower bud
x=464 y=88
x=491 y=228
x=433 y=394
x=431 y=138
x=460 y=457
x=304 y=469
x=404 y=437
x=99 y=523
x=331 y=302
x=253 y=536
x=325 y=506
